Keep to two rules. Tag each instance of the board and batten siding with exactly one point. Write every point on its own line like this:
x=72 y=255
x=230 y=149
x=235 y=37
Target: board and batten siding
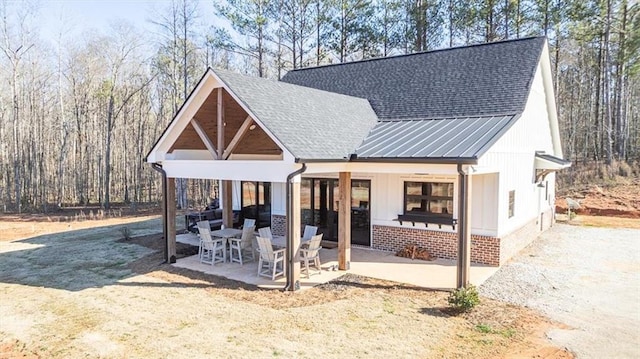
x=513 y=156
x=387 y=200
x=484 y=204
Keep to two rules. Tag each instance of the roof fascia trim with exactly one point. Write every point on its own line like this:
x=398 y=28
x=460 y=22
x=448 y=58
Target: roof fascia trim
x=552 y=111
x=152 y=155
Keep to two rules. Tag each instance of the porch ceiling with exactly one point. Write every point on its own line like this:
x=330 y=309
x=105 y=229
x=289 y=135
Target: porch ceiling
x=254 y=141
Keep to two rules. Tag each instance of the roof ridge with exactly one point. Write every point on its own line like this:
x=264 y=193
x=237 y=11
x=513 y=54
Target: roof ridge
x=419 y=53
x=283 y=83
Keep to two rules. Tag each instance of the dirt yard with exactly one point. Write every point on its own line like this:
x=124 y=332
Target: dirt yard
x=619 y=201
x=77 y=289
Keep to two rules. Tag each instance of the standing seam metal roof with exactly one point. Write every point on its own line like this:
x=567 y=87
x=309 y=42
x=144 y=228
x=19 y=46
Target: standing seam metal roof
x=466 y=137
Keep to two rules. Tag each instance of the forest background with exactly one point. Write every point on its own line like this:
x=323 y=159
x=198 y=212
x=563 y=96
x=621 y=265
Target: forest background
x=79 y=113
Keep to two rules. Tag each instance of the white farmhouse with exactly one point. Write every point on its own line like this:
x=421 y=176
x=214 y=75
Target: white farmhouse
x=452 y=149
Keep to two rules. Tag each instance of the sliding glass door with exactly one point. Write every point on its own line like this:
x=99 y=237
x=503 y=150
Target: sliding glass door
x=256 y=202
x=319 y=205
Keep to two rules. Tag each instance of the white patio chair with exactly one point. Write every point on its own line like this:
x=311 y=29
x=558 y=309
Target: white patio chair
x=270 y=259
x=238 y=247
x=309 y=231
x=311 y=254
x=212 y=250
x=265 y=232
x=248 y=222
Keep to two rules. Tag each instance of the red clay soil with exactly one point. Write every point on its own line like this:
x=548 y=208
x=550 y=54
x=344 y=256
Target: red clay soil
x=622 y=200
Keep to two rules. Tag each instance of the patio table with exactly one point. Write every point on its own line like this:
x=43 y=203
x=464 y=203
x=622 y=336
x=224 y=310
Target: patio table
x=227 y=233
x=281 y=241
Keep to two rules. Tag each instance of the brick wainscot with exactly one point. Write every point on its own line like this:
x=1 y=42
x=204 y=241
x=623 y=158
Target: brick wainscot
x=492 y=251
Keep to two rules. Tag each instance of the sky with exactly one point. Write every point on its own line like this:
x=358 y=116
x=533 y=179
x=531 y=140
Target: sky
x=77 y=16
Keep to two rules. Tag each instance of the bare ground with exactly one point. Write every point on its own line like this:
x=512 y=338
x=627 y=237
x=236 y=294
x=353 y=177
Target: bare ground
x=620 y=200
x=69 y=292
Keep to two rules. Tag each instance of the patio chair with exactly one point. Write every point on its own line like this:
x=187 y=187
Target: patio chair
x=265 y=232
x=238 y=247
x=311 y=254
x=248 y=222
x=270 y=259
x=212 y=250
x=309 y=231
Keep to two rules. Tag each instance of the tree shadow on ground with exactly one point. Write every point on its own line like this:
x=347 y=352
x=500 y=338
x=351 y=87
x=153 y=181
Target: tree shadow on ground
x=74 y=260
x=99 y=257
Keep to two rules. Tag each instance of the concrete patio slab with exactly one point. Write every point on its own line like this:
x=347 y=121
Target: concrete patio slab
x=247 y=272
x=188 y=238
x=437 y=274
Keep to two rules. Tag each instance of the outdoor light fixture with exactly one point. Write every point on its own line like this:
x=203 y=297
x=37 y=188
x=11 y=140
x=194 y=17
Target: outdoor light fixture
x=252 y=127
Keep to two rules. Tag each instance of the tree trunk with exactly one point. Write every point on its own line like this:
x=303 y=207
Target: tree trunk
x=621 y=78
x=17 y=160
x=608 y=144
x=107 y=153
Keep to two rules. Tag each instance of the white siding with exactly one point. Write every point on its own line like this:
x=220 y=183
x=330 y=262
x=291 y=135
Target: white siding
x=387 y=199
x=237 y=195
x=279 y=198
x=484 y=204
x=513 y=155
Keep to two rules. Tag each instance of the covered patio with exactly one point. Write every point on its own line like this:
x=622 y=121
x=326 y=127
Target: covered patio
x=437 y=274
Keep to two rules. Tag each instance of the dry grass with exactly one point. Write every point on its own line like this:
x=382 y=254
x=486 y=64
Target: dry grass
x=88 y=293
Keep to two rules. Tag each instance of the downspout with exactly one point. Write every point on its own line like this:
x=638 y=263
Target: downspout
x=159 y=168
x=290 y=286
x=464 y=241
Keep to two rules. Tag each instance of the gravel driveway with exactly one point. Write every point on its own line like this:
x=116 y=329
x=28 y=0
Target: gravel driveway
x=587 y=278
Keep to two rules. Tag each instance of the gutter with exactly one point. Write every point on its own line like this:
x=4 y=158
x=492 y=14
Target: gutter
x=291 y=285
x=165 y=230
x=463 y=262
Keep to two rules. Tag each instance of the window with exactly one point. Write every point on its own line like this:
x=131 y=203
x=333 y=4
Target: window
x=428 y=198
x=512 y=203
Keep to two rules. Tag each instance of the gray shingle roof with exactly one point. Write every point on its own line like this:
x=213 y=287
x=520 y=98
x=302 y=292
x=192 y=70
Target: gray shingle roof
x=476 y=80
x=312 y=124
x=443 y=139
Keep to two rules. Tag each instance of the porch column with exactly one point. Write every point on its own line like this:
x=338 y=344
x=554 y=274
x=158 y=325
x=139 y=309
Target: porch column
x=344 y=221
x=293 y=235
x=227 y=203
x=170 y=215
x=464 y=227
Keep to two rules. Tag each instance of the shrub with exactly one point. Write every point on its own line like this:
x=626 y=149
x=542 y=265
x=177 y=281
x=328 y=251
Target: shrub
x=624 y=169
x=126 y=233
x=464 y=299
